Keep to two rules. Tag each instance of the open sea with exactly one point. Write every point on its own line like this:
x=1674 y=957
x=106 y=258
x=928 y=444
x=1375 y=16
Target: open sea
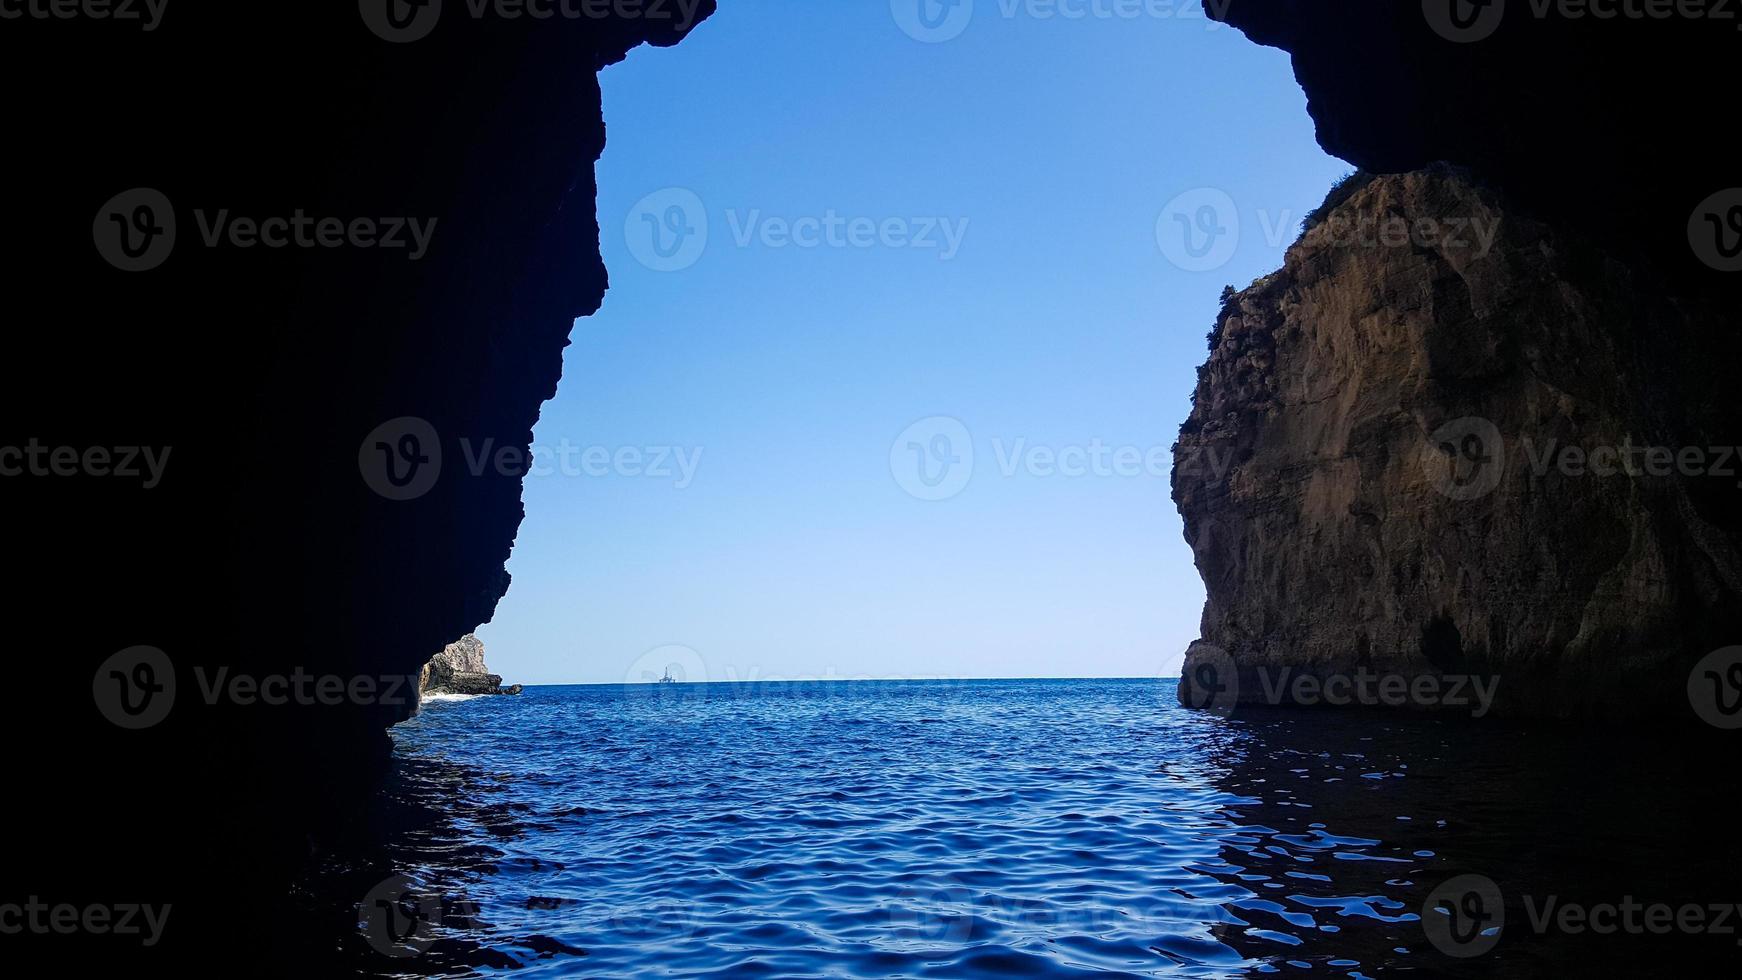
x=1056 y=828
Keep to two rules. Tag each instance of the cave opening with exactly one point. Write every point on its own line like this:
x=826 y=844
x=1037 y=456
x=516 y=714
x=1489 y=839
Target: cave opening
x=925 y=314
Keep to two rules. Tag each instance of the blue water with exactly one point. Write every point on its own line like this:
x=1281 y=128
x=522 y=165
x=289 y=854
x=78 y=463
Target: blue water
x=1011 y=828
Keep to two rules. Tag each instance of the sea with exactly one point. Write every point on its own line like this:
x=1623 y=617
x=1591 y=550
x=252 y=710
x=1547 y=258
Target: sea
x=1027 y=828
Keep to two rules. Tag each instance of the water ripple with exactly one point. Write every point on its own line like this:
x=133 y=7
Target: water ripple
x=1044 y=829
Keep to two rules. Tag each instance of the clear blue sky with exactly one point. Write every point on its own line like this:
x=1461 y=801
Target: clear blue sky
x=796 y=549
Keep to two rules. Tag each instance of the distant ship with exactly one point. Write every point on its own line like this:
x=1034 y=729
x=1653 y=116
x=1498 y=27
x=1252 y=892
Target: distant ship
x=668 y=679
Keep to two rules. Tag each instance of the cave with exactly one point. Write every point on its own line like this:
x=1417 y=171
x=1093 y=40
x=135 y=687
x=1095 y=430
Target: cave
x=259 y=550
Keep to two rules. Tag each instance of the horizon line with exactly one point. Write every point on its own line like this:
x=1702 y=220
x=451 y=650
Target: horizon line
x=846 y=680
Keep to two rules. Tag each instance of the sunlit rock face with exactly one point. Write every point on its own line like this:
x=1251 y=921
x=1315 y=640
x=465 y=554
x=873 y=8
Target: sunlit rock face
x=1450 y=439
x=1603 y=317
x=288 y=535
x=460 y=669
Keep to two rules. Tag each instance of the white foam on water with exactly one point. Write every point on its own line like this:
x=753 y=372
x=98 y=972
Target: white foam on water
x=430 y=698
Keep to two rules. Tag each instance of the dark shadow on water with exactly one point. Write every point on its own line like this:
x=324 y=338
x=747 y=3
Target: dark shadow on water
x=1353 y=819
x=390 y=894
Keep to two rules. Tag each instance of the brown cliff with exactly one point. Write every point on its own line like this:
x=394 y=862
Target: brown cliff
x=1392 y=463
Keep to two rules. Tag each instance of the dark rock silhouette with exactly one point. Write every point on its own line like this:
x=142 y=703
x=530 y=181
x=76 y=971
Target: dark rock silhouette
x=1612 y=124
x=276 y=542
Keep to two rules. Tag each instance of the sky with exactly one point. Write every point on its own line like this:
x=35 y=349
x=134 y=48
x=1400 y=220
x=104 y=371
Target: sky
x=904 y=317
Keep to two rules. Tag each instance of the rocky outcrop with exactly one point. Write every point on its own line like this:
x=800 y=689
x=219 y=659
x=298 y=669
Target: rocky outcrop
x=460 y=669
x=1448 y=439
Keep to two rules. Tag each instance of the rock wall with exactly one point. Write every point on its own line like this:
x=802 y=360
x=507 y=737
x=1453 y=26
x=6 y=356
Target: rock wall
x=1447 y=438
x=1604 y=319
x=276 y=542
